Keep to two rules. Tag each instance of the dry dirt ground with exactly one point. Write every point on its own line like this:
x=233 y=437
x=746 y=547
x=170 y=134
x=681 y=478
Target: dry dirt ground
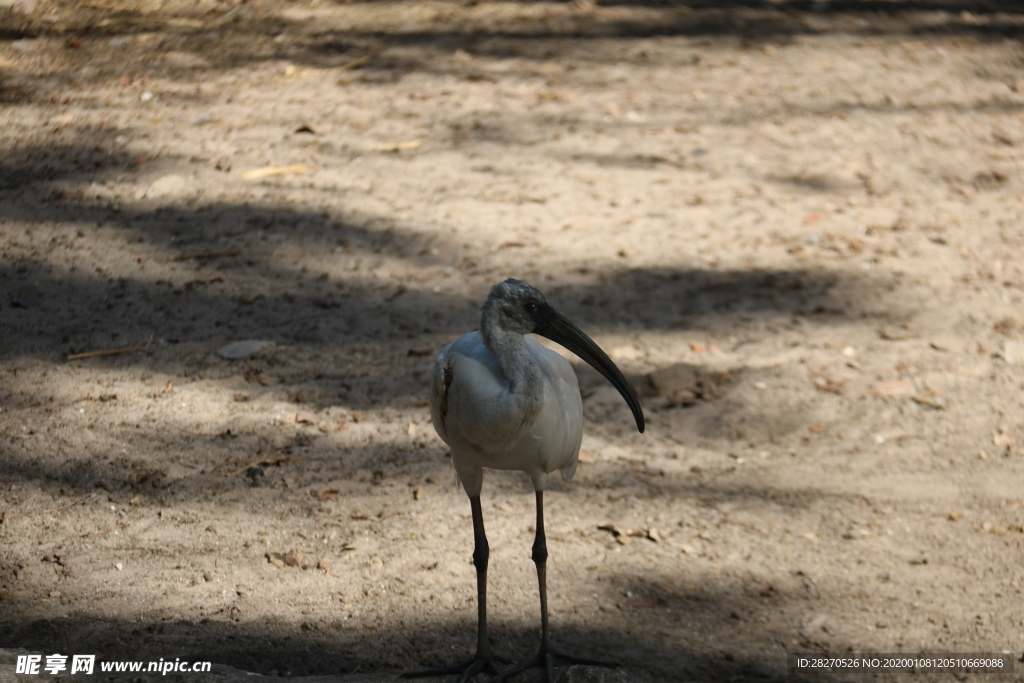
x=796 y=227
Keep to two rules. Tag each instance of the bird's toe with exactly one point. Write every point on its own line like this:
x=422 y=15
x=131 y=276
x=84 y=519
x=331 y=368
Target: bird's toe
x=549 y=660
x=465 y=671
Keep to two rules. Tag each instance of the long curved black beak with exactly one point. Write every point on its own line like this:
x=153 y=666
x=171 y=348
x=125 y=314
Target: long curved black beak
x=556 y=327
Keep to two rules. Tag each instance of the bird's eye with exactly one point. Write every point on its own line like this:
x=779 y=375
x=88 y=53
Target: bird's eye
x=531 y=307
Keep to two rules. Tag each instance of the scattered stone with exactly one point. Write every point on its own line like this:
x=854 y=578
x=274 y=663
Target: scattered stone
x=1013 y=352
x=166 y=186
x=829 y=385
x=305 y=417
x=26 y=45
x=98 y=191
x=813 y=626
x=241 y=350
x=264 y=379
x=627 y=352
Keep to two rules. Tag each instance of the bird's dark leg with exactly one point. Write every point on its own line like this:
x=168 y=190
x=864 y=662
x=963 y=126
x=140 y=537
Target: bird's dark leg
x=540 y=558
x=484 y=659
x=547 y=658
x=481 y=551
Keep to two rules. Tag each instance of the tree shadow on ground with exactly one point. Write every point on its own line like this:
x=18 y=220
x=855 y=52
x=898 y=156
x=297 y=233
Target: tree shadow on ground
x=238 y=455
x=249 y=290
x=330 y=645
x=251 y=34
x=344 y=338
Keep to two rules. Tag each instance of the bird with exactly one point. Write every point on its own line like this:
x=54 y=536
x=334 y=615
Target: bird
x=500 y=400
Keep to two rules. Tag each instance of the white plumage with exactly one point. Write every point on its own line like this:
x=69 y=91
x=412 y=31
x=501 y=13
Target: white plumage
x=479 y=429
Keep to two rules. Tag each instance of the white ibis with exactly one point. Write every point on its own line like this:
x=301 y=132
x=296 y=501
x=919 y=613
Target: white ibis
x=501 y=400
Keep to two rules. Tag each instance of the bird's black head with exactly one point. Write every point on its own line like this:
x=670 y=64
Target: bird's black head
x=516 y=306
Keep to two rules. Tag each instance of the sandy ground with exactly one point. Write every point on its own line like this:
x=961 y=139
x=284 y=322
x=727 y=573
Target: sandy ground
x=796 y=227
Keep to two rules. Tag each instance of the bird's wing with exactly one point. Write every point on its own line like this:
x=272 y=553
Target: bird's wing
x=467 y=396
x=439 y=384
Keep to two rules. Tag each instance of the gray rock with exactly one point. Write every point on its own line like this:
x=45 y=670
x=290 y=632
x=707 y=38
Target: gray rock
x=166 y=186
x=1013 y=352
x=247 y=348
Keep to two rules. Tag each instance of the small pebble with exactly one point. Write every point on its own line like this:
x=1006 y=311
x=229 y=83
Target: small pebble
x=241 y=350
x=165 y=186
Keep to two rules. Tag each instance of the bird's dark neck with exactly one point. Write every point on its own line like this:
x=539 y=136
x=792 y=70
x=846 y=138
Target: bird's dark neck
x=521 y=373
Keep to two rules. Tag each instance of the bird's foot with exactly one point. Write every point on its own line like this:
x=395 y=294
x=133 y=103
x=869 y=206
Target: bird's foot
x=549 y=659
x=479 y=664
